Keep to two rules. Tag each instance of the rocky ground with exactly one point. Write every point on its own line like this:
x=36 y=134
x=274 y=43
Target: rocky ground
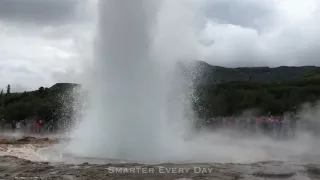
x=13 y=167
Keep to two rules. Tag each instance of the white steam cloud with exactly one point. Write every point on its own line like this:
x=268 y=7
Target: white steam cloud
x=184 y=30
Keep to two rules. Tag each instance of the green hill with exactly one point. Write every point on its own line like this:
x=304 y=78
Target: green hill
x=219 y=91
x=208 y=74
x=44 y=103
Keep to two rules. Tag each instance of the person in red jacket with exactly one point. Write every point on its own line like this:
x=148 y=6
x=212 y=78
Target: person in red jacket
x=36 y=126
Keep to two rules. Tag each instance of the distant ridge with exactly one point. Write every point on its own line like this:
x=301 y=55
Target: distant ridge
x=204 y=73
x=64 y=86
x=209 y=74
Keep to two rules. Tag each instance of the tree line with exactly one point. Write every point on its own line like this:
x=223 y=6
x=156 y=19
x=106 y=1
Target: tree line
x=58 y=102
x=44 y=103
x=233 y=98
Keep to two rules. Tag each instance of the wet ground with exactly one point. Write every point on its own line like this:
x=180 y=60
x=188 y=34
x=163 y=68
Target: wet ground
x=20 y=159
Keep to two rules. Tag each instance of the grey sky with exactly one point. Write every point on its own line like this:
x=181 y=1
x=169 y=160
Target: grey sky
x=46 y=41
x=247 y=13
x=39 y=11
x=42 y=40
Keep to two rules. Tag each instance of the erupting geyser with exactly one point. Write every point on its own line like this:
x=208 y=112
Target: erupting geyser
x=127 y=117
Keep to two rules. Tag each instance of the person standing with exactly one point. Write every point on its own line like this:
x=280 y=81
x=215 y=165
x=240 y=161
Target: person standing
x=50 y=126
x=24 y=125
x=41 y=126
x=13 y=126
x=18 y=126
x=3 y=124
x=36 y=126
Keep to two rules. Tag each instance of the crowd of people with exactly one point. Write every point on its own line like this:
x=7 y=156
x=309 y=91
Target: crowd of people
x=27 y=126
x=279 y=127
x=276 y=127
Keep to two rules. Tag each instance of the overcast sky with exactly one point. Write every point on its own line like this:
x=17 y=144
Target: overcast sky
x=48 y=41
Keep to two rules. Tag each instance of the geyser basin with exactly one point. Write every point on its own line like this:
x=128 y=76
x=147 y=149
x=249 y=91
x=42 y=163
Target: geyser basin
x=127 y=119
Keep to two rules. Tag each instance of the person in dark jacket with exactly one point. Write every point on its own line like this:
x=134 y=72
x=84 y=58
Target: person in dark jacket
x=3 y=124
x=13 y=126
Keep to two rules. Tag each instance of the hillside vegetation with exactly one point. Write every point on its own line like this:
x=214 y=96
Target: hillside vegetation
x=220 y=91
x=44 y=103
